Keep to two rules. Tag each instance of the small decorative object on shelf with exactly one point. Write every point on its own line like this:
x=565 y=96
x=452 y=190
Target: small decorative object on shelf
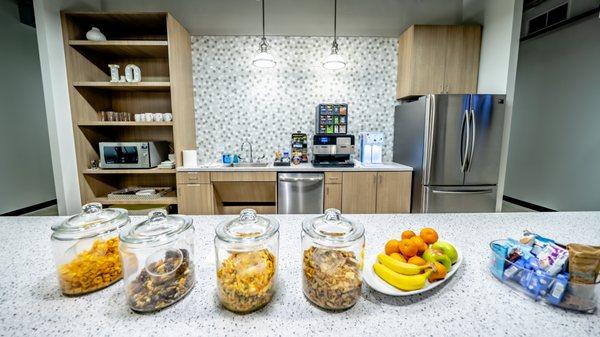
x=95 y=34
x=93 y=164
x=114 y=73
x=133 y=74
x=167 y=116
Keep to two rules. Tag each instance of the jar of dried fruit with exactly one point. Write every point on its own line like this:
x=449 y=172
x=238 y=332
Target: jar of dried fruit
x=246 y=254
x=86 y=249
x=333 y=255
x=158 y=261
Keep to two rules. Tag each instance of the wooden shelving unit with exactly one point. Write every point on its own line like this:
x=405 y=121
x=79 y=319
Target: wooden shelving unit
x=140 y=86
x=117 y=124
x=169 y=199
x=161 y=47
x=130 y=171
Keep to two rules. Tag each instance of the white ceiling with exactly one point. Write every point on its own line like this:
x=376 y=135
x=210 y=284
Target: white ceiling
x=299 y=17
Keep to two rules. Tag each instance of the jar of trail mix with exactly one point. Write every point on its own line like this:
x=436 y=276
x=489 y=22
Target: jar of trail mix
x=86 y=249
x=158 y=261
x=246 y=255
x=332 y=261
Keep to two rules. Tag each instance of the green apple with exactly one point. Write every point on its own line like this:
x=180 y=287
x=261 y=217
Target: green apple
x=447 y=249
x=434 y=255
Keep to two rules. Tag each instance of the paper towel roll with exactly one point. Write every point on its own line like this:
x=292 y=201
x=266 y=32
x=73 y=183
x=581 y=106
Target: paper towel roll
x=190 y=158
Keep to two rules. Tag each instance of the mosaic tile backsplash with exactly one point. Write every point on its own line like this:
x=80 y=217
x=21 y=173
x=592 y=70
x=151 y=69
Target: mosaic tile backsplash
x=235 y=101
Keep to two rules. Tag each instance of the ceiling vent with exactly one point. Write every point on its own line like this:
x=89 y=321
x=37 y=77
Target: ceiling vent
x=549 y=18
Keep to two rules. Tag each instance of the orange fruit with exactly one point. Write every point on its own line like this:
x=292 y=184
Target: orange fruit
x=391 y=247
x=421 y=245
x=438 y=273
x=398 y=257
x=408 y=248
x=407 y=234
x=417 y=260
x=429 y=235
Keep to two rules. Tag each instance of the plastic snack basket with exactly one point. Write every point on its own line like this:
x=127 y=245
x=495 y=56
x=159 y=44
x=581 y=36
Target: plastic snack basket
x=577 y=296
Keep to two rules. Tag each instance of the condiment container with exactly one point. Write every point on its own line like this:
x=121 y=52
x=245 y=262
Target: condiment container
x=246 y=254
x=86 y=249
x=158 y=261
x=333 y=256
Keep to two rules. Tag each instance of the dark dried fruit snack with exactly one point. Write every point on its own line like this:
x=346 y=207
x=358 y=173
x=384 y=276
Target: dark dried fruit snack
x=162 y=283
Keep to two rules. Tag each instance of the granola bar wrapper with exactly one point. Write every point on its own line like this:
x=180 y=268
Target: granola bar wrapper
x=584 y=263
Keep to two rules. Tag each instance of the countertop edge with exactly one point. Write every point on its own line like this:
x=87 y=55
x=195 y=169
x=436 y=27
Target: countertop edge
x=385 y=167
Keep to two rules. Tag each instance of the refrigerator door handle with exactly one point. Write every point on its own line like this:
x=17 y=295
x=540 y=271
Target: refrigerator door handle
x=472 y=145
x=458 y=191
x=464 y=149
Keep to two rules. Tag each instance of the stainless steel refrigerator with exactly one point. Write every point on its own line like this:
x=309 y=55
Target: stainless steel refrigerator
x=453 y=143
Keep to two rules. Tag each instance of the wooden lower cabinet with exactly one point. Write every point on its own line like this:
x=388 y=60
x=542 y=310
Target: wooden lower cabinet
x=195 y=199
x=333 y=196
x=393 y=192
x=359 y=192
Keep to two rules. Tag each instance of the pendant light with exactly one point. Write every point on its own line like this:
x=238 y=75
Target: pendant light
x=334 y=61
x=263 y=59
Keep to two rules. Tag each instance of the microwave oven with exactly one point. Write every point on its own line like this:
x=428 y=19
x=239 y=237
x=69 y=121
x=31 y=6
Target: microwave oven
x=121 y=155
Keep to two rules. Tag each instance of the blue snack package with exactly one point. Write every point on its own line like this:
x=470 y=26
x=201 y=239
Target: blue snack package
x=514 y=270
x=499 y=258
x=558 y=289
x=543 y=280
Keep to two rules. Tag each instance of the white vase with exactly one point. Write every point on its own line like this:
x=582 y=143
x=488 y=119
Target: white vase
x=95 y=34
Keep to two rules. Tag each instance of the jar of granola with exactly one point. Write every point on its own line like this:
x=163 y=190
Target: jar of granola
x=246 y=255
x=158 y=261
x=333 y=256
x=86 y=249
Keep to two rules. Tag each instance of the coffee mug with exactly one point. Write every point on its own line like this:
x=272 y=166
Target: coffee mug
x=167 y=117
x=138 y=117
x=158 y=117
x=149 y=116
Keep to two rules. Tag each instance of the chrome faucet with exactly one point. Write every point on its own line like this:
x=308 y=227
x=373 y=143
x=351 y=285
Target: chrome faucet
x=250 y=144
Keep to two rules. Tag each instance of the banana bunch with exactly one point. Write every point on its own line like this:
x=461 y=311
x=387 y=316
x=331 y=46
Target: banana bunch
x=402 y=275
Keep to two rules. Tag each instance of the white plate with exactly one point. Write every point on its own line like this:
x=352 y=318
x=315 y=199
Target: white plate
x=381 y=286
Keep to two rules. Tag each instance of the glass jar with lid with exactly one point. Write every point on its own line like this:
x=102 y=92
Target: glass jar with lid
x=333 y=257
x=246 y=255
x=158 y=261
x=86 y=249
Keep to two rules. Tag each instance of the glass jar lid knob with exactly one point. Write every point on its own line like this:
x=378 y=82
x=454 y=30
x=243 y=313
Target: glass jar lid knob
x=92 y=208
x=332 y=214
x=248 y=215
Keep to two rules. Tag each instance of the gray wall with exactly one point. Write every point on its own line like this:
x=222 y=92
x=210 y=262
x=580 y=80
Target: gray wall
x=25 y=168
x=554 y=153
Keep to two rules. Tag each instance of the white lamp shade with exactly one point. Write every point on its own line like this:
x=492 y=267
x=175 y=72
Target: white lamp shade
x=334 y=62
x=264 y=60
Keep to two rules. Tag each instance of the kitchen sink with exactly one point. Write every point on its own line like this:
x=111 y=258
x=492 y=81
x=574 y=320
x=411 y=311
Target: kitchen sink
x=250 y=164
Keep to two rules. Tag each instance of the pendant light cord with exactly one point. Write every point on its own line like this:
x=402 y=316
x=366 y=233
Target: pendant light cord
x=334 y=45
x=263 y=43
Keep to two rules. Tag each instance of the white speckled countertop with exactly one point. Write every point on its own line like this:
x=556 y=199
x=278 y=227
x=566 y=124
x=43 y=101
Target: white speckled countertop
x=304 y=167
x=472 y=303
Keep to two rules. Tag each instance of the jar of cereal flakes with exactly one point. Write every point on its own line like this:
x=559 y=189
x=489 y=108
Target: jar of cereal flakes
x=333 y=256
x=86 y=249
x=246 y=256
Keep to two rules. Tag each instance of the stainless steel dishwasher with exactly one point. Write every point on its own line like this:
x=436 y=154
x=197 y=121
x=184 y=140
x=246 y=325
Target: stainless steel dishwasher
x=300 y=193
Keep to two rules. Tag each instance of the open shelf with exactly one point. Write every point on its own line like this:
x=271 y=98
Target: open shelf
x=123 y=48
x=160 y=47
x=130 y=171
x=169 y=199
x=111 y=124
x=139 y=86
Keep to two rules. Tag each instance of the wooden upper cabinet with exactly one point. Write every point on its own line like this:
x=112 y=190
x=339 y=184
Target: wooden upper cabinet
x=393 y=192
x=436 y=59
x=462 y=59
x=359 y=192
